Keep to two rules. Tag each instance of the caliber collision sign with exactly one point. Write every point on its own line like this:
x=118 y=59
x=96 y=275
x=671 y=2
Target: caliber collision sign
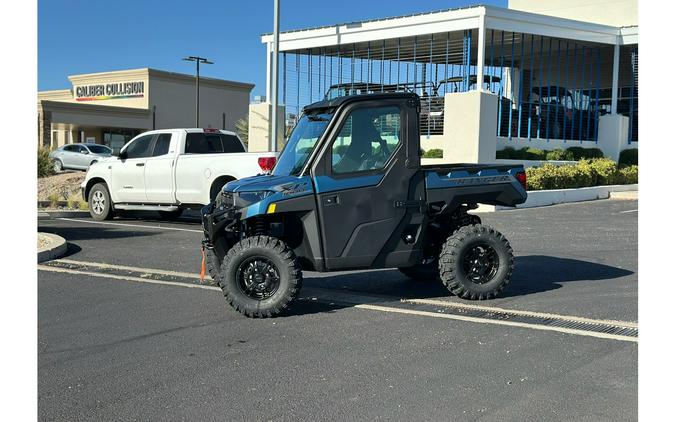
x=110 y=91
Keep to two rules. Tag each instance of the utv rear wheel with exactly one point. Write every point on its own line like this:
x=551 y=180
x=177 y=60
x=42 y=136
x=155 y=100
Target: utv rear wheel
x=100 y=206
x=260 y=276
x=476 y=262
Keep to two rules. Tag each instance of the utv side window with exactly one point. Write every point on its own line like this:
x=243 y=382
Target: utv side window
x=367 y=140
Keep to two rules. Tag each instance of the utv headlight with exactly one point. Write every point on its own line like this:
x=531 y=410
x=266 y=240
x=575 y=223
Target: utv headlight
x=244 y=199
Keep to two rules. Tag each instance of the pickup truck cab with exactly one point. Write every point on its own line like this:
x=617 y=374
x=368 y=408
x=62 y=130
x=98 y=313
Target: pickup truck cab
x=349 y=192
x=169 y=170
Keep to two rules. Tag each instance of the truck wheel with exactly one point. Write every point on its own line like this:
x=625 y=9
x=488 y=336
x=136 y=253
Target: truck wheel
x=260 y=276
x=476 y=262
x=100 y=206
x=424 y=272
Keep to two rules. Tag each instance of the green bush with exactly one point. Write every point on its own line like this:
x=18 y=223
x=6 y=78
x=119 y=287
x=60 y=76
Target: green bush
x=628 y=175
x=433 y=153
x=559 y=154
x=578 y=153
x=44 y=163
x=596 y=172
x=628 y=157
x=507 y=153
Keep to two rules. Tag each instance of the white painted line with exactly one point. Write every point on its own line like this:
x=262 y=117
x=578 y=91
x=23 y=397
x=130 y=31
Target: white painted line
x=126 y=278
x=625 y=324
x=129 y=268
x=626 y=212
x=129 y=225
x=497 y=322
x=371 y=307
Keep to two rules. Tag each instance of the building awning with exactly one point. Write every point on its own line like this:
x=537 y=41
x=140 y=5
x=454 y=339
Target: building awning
x=96 y=115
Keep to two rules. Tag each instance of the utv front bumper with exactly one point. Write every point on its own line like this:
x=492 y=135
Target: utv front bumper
x=215 y=221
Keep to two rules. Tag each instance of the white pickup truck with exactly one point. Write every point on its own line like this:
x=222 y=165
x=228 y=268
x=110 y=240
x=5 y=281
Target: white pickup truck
x=169 y=170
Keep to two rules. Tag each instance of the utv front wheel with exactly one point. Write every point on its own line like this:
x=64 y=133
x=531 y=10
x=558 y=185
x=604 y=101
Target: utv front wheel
x=476 y=262
x=260 y=276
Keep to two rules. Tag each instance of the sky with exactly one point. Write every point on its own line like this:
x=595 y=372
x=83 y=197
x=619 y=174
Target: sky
x=85 y=36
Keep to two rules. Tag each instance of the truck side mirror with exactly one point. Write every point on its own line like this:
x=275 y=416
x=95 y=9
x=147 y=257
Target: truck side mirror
x=123 y=155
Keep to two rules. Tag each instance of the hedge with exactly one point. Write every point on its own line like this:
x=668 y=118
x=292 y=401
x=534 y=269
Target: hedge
x=628 y=157
x=433 y=153
x=529 y=153
x=594 y=172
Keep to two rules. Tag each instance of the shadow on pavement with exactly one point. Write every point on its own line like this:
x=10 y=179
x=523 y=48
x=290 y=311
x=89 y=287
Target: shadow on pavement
x=532 y=274
x=72 y=234
x=539 y=273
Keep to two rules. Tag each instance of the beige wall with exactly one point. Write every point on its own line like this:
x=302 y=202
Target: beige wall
x=171 y=94
x=614 y=13
x=134 y=75
x=260 y=129
x=175 y=103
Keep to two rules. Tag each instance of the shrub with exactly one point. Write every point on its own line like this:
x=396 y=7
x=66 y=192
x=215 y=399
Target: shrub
x=596 y=172
x=507 y=153
x=578 y=153
x=74 y=203
x=534 y=154
x=628 y=175
x=53 y=199
x=559 y=154
x=44 y=163
x=628 y=157
x=433 y=153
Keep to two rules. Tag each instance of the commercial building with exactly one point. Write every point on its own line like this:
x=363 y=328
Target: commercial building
x=547 y=74
x=111 y=107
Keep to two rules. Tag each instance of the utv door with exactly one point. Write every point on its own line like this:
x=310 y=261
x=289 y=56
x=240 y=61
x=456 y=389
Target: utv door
x=362 y=180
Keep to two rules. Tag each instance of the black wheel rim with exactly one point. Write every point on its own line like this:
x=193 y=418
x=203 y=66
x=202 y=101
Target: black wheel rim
x=258 y=278
x=480 y=263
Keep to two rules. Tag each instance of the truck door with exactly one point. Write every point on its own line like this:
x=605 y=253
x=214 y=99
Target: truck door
x=361 y=179
x=128 y=175
x=159 y=170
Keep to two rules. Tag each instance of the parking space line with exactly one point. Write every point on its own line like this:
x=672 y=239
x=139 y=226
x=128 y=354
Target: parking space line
x=626 y=212
x=357 y=302
x=497 y=322
x=626 y=324
x=130 y=268
x=129 y=225
x=126 y=278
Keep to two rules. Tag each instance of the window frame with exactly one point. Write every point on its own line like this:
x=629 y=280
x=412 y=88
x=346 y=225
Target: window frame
x=328 y=151
x=156 y=140
x=150 y=147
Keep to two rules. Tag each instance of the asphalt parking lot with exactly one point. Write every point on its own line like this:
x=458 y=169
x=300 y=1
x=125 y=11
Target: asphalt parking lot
x=123 y=335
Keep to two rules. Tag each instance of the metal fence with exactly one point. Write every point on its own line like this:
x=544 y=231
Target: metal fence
x=547 y=88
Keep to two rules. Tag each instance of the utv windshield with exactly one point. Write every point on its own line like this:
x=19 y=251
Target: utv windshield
x=301 y=143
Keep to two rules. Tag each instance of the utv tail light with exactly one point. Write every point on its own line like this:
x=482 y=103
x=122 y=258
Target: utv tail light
x=267 y=163
x=522 y=178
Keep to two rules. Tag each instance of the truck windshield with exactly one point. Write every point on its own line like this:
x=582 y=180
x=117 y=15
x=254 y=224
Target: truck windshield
x=301 y=143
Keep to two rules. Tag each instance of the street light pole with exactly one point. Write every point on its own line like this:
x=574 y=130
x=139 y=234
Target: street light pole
x=198 y=60
x=275 y=80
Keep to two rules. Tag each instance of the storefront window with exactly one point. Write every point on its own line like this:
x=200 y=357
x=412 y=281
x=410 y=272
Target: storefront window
x=116 y=138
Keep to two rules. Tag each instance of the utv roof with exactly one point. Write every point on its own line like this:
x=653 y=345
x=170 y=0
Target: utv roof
x=336 y=102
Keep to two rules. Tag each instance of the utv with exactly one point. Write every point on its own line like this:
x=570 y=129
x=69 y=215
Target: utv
x=347 y=193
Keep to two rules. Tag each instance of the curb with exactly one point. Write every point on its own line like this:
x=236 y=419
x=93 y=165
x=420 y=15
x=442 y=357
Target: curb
x=57 y=248
x=65 y=213
x=542 y=198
